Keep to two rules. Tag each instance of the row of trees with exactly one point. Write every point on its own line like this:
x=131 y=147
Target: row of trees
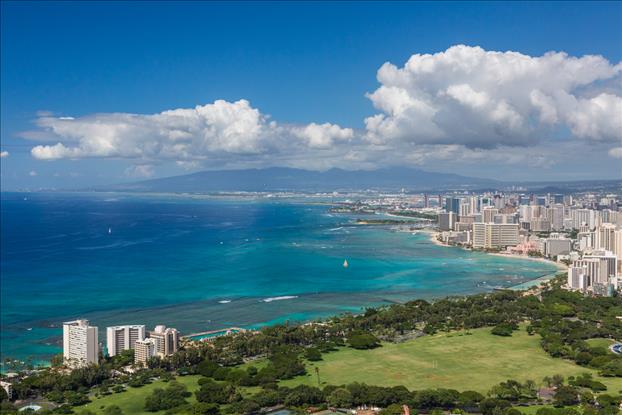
x=564 y=320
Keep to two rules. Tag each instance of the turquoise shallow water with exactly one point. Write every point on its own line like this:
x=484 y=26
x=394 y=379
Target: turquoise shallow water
x=174 y=261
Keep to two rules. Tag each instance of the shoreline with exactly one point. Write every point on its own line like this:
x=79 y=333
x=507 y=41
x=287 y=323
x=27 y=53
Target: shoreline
x=195 y=309
x=433 y=237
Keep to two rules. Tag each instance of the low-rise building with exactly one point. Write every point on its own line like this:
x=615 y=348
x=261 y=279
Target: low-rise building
x=557 y=246
x=144 y=350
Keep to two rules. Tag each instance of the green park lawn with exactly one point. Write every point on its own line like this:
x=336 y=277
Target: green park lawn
x=475 y=361
x=450 y=360
x=132 y=401
x=600 y=342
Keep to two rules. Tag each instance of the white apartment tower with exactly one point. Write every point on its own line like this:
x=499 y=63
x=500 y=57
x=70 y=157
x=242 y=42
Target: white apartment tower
x=618 y=248
x=495 y=235
x=583 y=217
x=167 y=340
x=555 y=215
x=606 y=237
x=489 y=213
x=80 y=346
x=144 y=350
x=608 y=264
x=578 y=278
x=119 y=338
x=446 y=221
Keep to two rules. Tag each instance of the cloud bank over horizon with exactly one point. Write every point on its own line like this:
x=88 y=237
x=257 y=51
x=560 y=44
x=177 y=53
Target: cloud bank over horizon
x=464 y=103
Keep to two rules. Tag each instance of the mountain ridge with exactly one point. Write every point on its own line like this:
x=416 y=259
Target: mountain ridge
x=293 y=179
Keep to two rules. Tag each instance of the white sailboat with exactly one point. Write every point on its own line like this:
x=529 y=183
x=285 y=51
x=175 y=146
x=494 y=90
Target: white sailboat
x=109 y=231
x=345 y=263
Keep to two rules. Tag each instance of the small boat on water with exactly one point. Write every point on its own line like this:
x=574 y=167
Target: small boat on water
x=345 y=263
x=109 y=231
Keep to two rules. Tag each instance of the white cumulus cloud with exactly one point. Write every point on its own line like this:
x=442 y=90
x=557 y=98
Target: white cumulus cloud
x=323 y=135
x=484 y=99
x=464 y=103
x=213 y=131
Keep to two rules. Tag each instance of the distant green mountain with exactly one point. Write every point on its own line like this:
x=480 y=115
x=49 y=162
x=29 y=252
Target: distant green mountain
x=290 y=179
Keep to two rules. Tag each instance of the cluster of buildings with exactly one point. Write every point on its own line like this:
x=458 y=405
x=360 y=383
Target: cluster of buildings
x=584 y=231
x=81 y=342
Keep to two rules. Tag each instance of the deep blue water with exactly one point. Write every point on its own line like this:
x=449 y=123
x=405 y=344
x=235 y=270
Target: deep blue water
x=170 y=260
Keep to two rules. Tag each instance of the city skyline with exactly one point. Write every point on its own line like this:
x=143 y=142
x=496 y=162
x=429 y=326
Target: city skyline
x=309 y=86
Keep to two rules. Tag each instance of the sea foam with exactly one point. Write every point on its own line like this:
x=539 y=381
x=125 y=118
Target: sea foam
x=283 y=297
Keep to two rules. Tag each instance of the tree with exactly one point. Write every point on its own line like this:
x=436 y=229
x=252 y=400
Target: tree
x=207 y=368
x=492 y=406
x=363 y=341
x=112 y=410
x=76 y=399
x=393 y=409
x=212 y=392
x=202 y=408
x=161 y=399
x=313 y=354
x=57 y=360
x=469 y=399
x=503 y=329
x=566 y=396
x=340 y=398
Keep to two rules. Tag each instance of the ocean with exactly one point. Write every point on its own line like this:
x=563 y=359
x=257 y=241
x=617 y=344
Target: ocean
x=203 y=263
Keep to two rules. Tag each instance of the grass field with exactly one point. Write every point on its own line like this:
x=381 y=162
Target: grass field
x=455 y=360
x=600 y=342
x=132 y=401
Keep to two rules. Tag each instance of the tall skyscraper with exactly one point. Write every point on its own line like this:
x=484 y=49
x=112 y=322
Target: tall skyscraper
x=606 y=237
x=583 y=217
x=488 y=214
x=555 y=215
x=452 y=204
x=446 y=220
x=80 y=346
x=167 y=340
x=608 y=267
x=618 y=249
x=119 y=338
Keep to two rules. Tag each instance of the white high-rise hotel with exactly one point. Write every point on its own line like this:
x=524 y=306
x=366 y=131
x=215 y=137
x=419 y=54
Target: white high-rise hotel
x=119 y=338
x=79 y=343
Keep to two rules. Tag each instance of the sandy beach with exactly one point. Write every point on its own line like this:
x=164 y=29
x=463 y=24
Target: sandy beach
x=433 y=235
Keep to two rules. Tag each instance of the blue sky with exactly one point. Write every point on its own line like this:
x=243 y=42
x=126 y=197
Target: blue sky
x=299 y=63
